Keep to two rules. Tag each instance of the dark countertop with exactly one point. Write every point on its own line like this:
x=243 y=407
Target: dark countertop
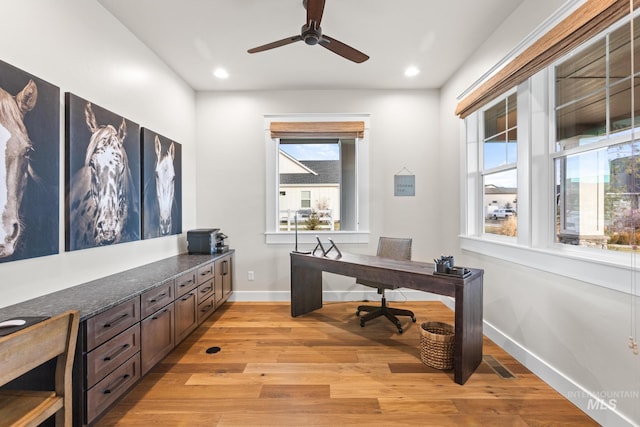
x=101 y=294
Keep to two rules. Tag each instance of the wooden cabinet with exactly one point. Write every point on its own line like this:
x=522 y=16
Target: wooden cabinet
x=111 y=322
x=111 y=357
x=156 y=298
x=122 y=343
x=111 y=387
x=206 y=291
x=113 y=353
x=186 y=315
x=223 y=279
x=157 y=334
x=186 y=283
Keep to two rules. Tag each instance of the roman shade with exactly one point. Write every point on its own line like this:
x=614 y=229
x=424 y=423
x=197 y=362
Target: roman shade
x=354 y=129
x=584 y=23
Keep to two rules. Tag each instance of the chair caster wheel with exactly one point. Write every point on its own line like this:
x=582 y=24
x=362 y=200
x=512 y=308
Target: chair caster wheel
x=413 y=319
x=400 y=330
x=358 y=313
x=362 y=323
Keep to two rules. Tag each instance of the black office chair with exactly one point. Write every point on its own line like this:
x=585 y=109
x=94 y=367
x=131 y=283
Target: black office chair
x=394 y=248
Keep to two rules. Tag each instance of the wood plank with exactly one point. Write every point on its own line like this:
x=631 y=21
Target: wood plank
x=323 y=369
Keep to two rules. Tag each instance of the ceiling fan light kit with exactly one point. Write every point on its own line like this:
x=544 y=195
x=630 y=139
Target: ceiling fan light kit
x=311 y=34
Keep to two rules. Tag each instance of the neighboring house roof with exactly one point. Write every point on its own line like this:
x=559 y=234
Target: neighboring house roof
x=326 y=172
x=492 y=189
x=291 y=165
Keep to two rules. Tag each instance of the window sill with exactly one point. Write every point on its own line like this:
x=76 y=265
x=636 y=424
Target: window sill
x=309 y=237
x=608 y=270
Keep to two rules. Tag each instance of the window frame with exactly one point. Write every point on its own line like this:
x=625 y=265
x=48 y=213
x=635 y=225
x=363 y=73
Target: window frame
x=273 y=235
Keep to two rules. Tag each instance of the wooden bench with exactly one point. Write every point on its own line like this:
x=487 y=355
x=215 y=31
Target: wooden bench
x=29 y=348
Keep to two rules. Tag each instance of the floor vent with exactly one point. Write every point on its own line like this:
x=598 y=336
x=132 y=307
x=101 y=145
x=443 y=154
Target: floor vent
x=498 y=367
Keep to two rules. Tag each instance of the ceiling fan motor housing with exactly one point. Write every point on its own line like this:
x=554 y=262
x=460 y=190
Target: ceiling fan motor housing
x=311 y=34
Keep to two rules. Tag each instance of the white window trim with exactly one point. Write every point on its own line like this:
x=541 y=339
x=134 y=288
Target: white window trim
x=272 y=234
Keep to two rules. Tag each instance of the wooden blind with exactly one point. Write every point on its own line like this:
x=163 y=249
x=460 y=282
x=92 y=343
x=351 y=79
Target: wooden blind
x=588 y=20
x=353 y=129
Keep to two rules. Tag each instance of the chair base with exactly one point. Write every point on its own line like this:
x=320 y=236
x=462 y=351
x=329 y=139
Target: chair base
x=386 y=311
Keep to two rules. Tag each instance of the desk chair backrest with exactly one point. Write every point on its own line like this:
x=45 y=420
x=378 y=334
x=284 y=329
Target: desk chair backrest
x=31 y=347
x=394 y=248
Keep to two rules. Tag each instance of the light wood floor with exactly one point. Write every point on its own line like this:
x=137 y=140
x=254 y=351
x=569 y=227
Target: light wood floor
x=323 y=369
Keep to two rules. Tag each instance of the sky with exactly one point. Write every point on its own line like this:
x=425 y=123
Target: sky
x=312 y=151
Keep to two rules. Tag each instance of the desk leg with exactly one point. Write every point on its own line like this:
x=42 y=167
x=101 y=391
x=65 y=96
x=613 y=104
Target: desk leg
x=468 y=330
x=306 y=289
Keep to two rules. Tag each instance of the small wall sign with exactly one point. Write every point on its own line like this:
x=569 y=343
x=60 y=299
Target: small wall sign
x=404 y=184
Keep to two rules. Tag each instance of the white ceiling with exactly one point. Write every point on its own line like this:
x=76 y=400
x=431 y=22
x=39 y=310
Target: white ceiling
x=196 y=36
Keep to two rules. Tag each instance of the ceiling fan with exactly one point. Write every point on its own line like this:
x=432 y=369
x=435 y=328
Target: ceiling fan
x=311 y=33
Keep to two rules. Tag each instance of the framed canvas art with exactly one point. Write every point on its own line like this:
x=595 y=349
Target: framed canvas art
x=162 y=185
x=29 y=165
x=102 y=176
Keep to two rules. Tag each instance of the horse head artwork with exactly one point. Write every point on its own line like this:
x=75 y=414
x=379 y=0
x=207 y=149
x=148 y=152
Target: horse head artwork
x=160 y=206
x=165 y=191
x=15 y=148
x=102 y=196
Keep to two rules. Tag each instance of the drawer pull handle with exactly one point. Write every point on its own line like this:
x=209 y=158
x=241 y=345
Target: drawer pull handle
x=187 y=297
x=225 y=269
x=117 y=385
x=205 y=290
x=206 y=308
x=159 y=297
x=166 y=310
x=116 y=321
x=116 y=353
x=188 y=282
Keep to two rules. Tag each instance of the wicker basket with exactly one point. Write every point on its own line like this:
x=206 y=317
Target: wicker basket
x=436 y=344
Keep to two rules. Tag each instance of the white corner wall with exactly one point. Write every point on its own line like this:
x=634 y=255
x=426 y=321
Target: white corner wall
x=572 y=334
x=79 y=47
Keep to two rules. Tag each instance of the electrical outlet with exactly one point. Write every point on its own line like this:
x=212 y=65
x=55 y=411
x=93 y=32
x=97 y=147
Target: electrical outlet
x=250 y=275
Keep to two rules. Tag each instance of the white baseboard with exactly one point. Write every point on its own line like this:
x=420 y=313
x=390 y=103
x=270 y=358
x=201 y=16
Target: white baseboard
x=597 y=408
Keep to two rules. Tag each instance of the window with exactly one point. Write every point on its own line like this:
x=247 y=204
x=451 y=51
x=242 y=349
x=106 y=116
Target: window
x=317 y=167
x=567 y=141
x=499 y=170
x=596 y=170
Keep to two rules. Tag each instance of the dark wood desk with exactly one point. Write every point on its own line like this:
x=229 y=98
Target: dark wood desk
x=306 y=294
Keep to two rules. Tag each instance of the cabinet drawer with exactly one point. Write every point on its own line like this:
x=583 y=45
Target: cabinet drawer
x=112 y=354
x=112 y=387
x=205 y=291
x=205 y=309
x=110 y=323
x=205 y=273
x=157 y=333
x=185 y=283
x=156 y=298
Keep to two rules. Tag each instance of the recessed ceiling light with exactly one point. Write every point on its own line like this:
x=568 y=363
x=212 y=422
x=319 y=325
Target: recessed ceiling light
x=411 y=71
x=221 y=73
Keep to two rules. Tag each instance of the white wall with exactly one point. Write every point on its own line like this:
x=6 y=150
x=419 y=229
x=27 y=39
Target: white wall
x=573 y=334
x=231 y=173
x=79 y=47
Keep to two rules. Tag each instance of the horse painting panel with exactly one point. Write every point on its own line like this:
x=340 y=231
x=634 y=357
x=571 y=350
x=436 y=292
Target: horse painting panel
x=103 y=163
x=162 y=191
x=29 y=165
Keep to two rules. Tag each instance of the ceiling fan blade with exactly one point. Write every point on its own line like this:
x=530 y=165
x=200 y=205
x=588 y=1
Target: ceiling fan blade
x=273 y=45
x=343 y=50
x=315 y=9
